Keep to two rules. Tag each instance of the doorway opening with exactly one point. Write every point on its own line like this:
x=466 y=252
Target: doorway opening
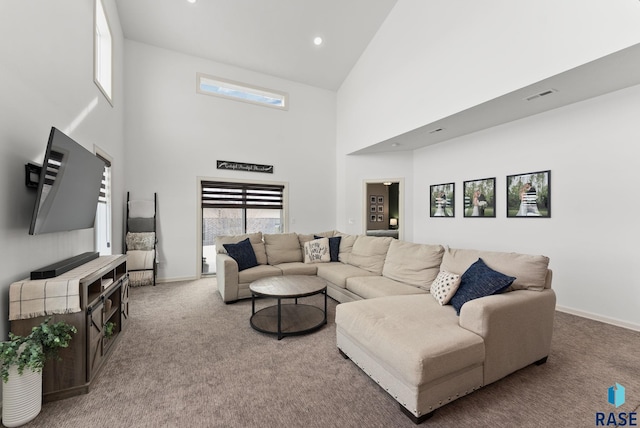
x=384 y=207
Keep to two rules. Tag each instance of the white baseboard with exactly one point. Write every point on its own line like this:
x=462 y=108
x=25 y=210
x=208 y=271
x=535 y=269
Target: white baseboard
x=596 y=317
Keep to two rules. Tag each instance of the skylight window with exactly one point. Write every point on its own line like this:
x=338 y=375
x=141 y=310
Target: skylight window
x=210 y=85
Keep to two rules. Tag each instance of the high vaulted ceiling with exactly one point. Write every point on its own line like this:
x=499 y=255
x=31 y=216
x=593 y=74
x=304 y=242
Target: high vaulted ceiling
x=274 y=37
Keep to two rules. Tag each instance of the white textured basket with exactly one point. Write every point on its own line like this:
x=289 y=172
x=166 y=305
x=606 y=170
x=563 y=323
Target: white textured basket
x=21 y=397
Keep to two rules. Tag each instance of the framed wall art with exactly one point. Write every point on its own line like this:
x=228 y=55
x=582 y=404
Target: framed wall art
x=529 y=194
x=442 y=200
x=480 y=197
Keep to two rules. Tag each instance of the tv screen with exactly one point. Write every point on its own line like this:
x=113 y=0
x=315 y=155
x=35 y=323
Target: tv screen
x=69 y=187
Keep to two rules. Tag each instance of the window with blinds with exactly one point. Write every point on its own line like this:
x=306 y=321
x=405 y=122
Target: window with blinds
x=218 y=194
x=105 y=190
x=103 y=212
x=231 y=208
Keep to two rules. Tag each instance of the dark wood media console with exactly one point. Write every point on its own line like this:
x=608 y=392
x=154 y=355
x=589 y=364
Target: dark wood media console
x=104 y=298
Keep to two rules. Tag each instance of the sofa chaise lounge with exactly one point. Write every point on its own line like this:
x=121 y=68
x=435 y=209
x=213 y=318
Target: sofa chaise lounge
x=394 y=326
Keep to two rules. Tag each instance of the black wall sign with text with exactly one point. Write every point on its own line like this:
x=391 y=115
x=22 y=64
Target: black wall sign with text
x=240 y=166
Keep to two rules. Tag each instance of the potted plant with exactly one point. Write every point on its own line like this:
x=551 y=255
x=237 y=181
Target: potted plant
x=109 y=329
x=22 y=359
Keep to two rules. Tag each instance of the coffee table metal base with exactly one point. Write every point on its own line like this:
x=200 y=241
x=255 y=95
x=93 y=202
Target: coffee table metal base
x=288 y=319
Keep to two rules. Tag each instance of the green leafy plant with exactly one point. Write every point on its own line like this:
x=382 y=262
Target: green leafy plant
x=36 y=348
x=109 y=329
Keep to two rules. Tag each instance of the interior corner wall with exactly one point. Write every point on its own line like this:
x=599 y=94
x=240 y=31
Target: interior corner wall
x=174 y=135
x=46 y=79
x=433 y=59
x=591 y=238
x=351 y=201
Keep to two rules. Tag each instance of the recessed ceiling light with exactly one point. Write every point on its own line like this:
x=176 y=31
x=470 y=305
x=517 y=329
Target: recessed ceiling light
x=317 y=41
x=192 y=1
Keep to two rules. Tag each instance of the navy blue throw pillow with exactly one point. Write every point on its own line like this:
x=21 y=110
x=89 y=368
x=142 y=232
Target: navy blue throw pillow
x=242 y=253
x=334 y=246
x=479 y=281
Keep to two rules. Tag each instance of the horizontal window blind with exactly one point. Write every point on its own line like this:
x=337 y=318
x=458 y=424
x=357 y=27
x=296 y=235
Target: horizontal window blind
x=106 y=175
x=221 y=194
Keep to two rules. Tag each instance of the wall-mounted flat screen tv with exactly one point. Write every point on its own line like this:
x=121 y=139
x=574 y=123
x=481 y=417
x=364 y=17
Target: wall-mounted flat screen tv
x=69 y=187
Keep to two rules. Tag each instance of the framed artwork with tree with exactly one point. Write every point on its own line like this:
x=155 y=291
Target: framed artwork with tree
x=529 y=194
x=480 y=197
x=442 y=200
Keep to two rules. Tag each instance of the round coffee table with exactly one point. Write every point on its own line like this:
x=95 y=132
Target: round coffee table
x=291 y=318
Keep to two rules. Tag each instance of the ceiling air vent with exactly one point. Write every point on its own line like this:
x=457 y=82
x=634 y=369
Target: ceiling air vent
x=540 y=94
x=433 y=131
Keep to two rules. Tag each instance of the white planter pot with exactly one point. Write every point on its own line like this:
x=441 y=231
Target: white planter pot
x=21 y=397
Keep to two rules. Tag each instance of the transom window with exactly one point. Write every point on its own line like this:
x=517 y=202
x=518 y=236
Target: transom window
x=103 y=55
x=216 y=86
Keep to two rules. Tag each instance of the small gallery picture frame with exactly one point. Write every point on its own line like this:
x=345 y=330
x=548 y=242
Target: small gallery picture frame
x=372 y=208
x=380 y=217
x=381 y=199
x=373 y=217
x=480 y=197
x=529 y=195
x=442 y=199
x=373 y=199
x=380 y=208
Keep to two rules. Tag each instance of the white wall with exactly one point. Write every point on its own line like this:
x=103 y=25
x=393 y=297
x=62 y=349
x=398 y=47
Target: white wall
x=591 y=237
x=46 y=79
x=174 y=135
x=431 y=59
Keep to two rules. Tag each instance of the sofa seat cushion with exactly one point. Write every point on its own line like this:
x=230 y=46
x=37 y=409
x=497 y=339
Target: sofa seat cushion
x=414 y=264
x=412 y=336
x=297 y=268
x=337 y=273
x=282 y=248
x=369 y=253
x=369 y=287
x=261 y=271
x=530 y=270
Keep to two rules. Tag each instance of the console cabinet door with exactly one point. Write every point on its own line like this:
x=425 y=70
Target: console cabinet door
x=124 y=303
x=95 y=320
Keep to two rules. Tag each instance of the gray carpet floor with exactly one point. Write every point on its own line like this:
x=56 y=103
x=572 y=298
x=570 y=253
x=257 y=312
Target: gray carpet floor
x=189 y=360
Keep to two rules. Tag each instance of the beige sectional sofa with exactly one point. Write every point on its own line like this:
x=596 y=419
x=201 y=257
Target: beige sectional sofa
x=422 y=353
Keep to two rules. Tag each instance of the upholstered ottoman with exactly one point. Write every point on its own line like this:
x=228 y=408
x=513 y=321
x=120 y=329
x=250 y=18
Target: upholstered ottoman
x=414 y=348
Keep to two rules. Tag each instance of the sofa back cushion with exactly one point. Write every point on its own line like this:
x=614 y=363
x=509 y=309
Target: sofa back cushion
x=254 y=238
x=302 y=238
x=282 y=248
x=346 y=246
x=413 y=264
x=530 y=271
x=369 y=253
